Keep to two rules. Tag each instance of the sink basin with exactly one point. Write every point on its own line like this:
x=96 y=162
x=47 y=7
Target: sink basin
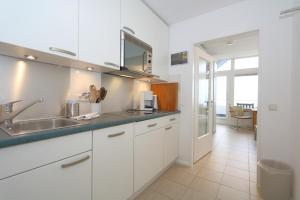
x=31 y=126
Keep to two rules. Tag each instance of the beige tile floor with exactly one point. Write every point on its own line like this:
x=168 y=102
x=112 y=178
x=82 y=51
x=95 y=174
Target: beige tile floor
x=227 y=173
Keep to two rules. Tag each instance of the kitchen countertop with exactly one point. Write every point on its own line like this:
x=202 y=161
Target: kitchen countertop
x=104 y=121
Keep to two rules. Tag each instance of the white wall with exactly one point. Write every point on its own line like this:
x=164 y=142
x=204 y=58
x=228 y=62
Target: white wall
x=295 y=101
x=123 y=93
x=28 y=81
x=275 y=73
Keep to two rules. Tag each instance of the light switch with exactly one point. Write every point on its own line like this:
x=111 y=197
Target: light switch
x=273 y=107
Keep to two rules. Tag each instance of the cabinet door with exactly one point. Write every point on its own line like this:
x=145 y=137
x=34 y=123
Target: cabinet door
x=48 y=26
x=99 y=32
x=135 y=16
x=148 y=156
x=171 y=143
x=160 y=45
x=113 y=163
x=64 y=180
x=139 y=20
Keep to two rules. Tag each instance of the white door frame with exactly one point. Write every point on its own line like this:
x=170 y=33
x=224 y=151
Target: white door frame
x=203 y=144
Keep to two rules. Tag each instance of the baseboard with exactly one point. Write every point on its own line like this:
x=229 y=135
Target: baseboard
x=183 y=162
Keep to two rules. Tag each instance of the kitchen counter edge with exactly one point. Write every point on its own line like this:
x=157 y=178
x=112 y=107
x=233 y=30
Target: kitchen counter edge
x=108 y=120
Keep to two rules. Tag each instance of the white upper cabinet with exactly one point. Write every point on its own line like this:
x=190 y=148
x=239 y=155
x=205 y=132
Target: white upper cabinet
x=138 y=20
x=135 y=18
x=48 y=26
x=160 y=48
x=99 y=32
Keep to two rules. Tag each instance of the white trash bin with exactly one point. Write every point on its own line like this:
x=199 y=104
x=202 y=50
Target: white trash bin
x=274 y=180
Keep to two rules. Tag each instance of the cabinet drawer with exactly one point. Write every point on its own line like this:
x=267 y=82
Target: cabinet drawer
x=68 y=179
x=171 y=119
x=20 y=158
x=148 y=125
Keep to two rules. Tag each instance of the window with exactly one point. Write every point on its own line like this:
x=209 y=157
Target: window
x=221 y=96
x=223 y=65
x=246 y=89
x=246 y=63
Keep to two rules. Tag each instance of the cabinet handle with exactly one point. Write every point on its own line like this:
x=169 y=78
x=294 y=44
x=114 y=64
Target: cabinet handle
x=172 y=119
x=152 y=125
x=62 y=51
x=75 y=162
x=168 y=128
x=111 y=64
x=116 y=134
x=129 y=29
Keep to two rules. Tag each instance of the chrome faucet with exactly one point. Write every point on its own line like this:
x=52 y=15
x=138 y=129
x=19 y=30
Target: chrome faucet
x=7 y=114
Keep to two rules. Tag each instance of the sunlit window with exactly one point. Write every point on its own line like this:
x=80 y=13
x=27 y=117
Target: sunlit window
x=223 y=65
x=246 y=63
x=246 y=89
x=221 y=96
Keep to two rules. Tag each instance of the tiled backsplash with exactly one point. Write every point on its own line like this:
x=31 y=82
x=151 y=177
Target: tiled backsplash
x=27 y=81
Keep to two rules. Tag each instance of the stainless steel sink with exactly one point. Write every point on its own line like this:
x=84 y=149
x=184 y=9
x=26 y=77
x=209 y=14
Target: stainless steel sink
x=31 y=126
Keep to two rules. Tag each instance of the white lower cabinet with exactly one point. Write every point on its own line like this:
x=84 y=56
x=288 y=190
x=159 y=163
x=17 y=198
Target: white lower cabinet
x=171 y=143
x=68 y=179
x=148 y=156
x=113 y=163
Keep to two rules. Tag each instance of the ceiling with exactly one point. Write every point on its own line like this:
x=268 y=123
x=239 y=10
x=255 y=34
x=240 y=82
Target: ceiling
x=173 y=11
x=245 y=44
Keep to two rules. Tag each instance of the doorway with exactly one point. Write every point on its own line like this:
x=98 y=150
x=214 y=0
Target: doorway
x=232 y=100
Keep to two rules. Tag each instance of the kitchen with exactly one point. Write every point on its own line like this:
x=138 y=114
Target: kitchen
x=62 y=59
x=100 y=98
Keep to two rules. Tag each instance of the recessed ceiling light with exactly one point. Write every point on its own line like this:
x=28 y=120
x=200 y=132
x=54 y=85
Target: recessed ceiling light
x=90 y=68
x=229 y=43
x=30 y=57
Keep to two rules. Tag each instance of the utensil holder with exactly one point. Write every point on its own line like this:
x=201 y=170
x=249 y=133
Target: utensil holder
x=96 y=107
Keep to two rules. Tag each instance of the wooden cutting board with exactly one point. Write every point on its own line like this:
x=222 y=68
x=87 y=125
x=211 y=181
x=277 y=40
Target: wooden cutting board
x=167 y=96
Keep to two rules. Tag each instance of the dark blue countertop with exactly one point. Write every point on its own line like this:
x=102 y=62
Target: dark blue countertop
x=104 y=121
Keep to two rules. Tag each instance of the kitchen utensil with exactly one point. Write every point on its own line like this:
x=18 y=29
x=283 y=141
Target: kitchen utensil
x=72 y=108
x=103 y=93
x=93 y=94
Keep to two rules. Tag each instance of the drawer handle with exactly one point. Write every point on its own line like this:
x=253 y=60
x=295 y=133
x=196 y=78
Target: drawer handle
x=168 y=128
x=75 y=162
x=152 y=125
x=116 y=134
x=62 y=51
x=172 y=119
x=111 y=64
x=129 y=29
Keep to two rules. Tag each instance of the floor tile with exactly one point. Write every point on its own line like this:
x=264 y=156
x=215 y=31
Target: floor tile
x=210 y=175
x=227 y=193
x=179 y=175
x=169 y=188
x=226 y=173
x=196 y=195
x=215 y=166
x=236 y=183
x=244 y=174
x=151 y=195
x=202 y=185
x=238 y=165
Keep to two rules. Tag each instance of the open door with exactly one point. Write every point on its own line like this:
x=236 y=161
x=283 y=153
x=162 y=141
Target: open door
x=203 y=104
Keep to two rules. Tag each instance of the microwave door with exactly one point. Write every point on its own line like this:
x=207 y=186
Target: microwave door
x=134 y=56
